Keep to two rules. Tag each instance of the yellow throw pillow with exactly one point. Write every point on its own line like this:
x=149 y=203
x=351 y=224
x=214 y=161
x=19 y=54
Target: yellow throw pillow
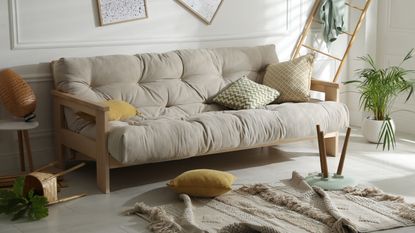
x=203 y=183
x=119 y=110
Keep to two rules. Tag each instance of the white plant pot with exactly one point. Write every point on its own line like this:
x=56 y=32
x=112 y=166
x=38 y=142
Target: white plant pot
x=371 y=129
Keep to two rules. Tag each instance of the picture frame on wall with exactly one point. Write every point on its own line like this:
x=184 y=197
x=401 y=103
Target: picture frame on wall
x=204 y=9
x=119 y=11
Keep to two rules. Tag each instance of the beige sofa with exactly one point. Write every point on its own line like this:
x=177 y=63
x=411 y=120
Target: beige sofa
x=173 y=91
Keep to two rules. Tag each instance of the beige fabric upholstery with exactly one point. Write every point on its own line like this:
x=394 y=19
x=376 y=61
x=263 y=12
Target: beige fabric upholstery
x=171 y=138
x=174 y=92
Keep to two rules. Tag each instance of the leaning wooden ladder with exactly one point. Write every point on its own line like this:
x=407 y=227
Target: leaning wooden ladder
x=352 y=35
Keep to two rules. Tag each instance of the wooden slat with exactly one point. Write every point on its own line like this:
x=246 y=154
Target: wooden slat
x=348 y=33
x=113 y=163
x=322 y=83
x=306 y=29
x=352 y=35
x=321 y=52
x=78 y=142
x=354 y=7
x=330 y=89
x=352 y=39
x=79 y=104
x=67 y=199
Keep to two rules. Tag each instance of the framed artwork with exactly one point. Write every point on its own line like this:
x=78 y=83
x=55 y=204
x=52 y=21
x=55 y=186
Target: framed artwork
x=203 y=9
x=117 y=11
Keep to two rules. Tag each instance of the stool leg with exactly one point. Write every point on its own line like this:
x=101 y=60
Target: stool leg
x=21 y=151
x=28 y=149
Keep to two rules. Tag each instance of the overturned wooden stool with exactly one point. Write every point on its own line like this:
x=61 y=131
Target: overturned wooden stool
x=323 y=179
x=46 y=184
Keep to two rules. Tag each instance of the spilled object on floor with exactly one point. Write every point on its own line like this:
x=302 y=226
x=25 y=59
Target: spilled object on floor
x=31 y=195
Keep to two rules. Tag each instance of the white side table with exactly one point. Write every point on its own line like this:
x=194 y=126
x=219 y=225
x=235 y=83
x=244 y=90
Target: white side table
x=22 y=128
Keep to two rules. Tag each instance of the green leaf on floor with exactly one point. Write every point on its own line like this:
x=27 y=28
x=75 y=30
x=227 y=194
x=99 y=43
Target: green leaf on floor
x=18 y=204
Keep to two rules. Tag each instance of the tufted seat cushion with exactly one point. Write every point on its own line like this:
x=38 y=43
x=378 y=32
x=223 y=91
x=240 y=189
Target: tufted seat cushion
x=174 y=93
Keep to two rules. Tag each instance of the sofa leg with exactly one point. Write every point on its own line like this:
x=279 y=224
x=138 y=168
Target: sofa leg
x=103 y=175
x=102 y=156
x=332 y=144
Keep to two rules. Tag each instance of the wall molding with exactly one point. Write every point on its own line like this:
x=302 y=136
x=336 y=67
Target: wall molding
x=17 y=43
x=37 y=78
x=33 y=134
x=39 y=133
x=388 y=26
x=13 y=155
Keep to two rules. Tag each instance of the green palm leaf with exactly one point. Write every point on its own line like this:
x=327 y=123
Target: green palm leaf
x=379 y=87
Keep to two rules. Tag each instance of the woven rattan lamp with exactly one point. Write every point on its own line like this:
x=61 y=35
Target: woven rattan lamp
x=18 y=98
x=16 y=95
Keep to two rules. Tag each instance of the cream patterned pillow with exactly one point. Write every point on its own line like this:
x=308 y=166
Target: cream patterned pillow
x=246 y=94
x=292 y=79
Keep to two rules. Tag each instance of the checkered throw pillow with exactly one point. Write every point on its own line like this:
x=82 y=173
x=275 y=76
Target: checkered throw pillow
x=292 y=79
x=246 y=94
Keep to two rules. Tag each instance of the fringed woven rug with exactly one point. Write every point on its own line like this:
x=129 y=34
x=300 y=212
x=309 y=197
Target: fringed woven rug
x=292 y=207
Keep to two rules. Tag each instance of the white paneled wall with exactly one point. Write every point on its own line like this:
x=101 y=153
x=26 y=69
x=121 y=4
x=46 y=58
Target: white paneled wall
x=396 y=36
x=33 y=33
x=387 y=35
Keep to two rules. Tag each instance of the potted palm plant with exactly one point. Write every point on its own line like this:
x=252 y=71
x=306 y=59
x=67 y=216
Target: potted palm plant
x=378 y=89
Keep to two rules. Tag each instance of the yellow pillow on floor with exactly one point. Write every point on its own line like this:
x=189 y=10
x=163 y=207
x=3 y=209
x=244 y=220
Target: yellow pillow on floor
x=203 y=183
x=119 y=110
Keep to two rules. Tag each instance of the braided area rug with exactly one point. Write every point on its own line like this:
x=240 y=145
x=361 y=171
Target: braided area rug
x=291 y=207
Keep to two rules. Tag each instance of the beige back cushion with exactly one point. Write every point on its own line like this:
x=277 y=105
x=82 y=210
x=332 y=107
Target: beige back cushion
x=177 y=78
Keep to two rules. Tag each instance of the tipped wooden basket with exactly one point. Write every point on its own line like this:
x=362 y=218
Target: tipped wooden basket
x=46 y=184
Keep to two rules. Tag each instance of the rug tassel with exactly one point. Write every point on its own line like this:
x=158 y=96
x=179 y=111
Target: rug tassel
x=188 y=217
x=187 y=220
x=373 y=193
x=407 y=212
x=160 y=221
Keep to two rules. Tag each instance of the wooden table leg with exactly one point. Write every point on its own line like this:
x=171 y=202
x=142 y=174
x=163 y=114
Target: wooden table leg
x=21 y=151
x=28 y=149
x=324 y=156
x=319 y=149
x=344 y=150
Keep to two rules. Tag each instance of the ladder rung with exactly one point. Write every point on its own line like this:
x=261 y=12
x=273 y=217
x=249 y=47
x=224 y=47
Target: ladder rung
x=355 y=7
x=317 y=21
x=348 y=33
x=318 y=51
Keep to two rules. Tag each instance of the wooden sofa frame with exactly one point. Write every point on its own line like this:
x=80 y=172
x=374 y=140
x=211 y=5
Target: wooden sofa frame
x=96 y=149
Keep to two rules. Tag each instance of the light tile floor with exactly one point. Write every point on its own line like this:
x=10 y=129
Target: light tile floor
x=393 y=172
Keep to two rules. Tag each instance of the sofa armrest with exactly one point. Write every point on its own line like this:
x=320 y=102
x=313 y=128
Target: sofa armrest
x=93 y=148
x=330 y=89
x=73 y=102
